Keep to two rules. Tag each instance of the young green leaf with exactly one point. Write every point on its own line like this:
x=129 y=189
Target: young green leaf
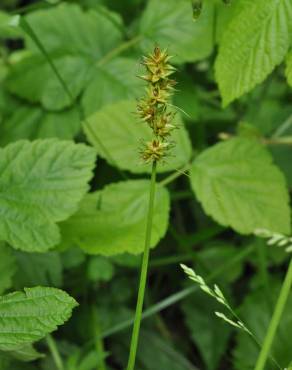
x=239 y=186
x=116 y=128
x=30 y=315
x=254 y=43
x=41 y=183
x=113 y=221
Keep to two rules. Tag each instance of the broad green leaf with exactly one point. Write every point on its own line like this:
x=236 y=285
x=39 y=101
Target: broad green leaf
x=113 y=220
x=74 y=53
x=41 y=183
x=113 y=81
x=239 y=186
x=116 y=128
x=30 y=122
x=7 y=267
x=33 y=269
x=208 y=333
x=250 y=47
x=170 y=24
x=256 y=312
x=30 y=315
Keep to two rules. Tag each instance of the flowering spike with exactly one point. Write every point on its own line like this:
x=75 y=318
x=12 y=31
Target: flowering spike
x=152 y=108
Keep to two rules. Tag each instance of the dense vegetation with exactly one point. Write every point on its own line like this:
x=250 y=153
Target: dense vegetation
x=74 y=187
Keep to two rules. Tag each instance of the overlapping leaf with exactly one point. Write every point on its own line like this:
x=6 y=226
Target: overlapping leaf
x=113 y=221
x=41 y=183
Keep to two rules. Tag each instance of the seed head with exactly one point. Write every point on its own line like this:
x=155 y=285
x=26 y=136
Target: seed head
x=152 y=108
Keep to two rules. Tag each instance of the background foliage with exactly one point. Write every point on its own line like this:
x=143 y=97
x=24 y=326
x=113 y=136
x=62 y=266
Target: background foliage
x=67 y=95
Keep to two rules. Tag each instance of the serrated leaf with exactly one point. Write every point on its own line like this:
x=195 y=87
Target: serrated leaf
x=30 y=315
x=254 y=43
x=116 y=128
x=113 y=221
x=239 y=186
x=74 y=54
x=30 y=122
x=41 y=183
x=170 y=24
x=7 y=267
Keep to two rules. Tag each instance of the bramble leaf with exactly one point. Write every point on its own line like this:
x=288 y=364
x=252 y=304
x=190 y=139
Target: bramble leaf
x=41 y=183
x=28 y=316
x=113 y=220
x=254 y=43
x=239 y=186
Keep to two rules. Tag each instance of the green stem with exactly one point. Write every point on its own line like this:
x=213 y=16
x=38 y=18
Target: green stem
x=178 y=296
x=54 y=352
x=99 y=345
x=274 y=323
x=143 y=276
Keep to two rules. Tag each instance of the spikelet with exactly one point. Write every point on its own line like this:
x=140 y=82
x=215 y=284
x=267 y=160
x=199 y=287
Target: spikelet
x=152 y=109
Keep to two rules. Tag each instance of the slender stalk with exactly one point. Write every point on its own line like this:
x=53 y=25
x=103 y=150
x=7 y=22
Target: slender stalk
x=99 y=345
x=274 y=323
x=178 y=296
x=54 y=352
x=143 y=275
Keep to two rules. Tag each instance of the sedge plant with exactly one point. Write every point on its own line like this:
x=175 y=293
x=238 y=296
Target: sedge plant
x=153 y=111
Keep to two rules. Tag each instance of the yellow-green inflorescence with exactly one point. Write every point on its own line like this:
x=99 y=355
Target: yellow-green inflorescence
x=153 y=107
